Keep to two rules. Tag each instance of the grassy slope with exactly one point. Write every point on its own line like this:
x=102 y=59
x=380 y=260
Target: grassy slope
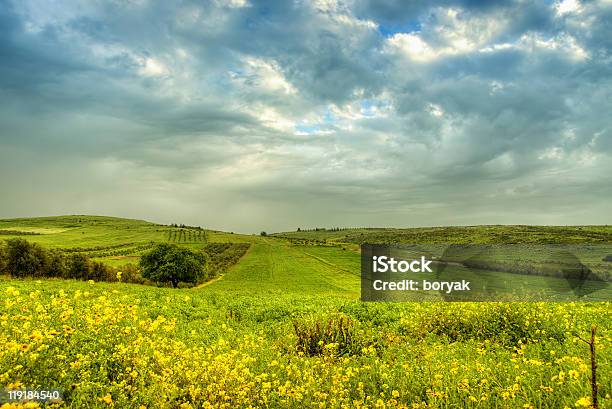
x=273 y=266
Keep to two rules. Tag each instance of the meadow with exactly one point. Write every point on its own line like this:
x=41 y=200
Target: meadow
x=284 y=327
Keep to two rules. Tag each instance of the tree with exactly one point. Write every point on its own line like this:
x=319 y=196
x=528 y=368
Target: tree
x=25 y=259
x=100 y=272
x=171 y=263
x=78 y=267
x=263 y=233
x=57 y=264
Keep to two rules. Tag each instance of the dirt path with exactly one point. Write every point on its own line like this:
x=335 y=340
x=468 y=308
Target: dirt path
x=207 y=283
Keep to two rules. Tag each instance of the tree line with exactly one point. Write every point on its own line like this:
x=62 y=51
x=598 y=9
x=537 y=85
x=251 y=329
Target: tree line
x=164 y=263
x=299 y=229
x=21 y=258
x=18 y=233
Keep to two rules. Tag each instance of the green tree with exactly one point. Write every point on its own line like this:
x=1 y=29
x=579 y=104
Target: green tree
x=57 y=264
x=79 y=267
x=171 y=263
x=25 y=259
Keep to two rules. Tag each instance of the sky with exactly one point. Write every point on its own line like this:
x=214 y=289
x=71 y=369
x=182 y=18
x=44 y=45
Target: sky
x=271 y=115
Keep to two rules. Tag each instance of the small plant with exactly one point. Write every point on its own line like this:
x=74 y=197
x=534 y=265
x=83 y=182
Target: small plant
x=337 y=337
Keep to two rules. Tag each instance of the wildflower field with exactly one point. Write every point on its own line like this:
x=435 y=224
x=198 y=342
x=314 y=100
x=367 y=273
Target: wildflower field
x=284 y=328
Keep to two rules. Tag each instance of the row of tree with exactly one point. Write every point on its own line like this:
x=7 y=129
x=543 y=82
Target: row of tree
x=20 y=258
x=187 y=235
x=185 y=226
x=325 y=229
x=165 y=263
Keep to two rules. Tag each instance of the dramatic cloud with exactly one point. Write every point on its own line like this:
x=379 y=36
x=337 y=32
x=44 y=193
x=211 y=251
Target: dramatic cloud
x=247 y=115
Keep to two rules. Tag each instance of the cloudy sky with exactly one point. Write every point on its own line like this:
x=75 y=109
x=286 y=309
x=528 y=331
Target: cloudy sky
x=248 y=116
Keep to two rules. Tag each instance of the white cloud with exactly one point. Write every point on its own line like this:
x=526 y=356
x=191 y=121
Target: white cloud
x=263 y=74
x=453 y=33
x=151 y=67
x=567 y=6
x=553 y=152
x=435 y=110
x=271 y=118
x=412 y=46
x=234 y=3
x=563 y=43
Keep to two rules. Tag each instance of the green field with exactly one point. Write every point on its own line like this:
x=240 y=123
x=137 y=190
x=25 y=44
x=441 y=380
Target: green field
x=285 y=328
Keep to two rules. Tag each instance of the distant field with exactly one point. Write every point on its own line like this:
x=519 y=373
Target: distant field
x=460 y=235
x=35 y=230
x=285 y=328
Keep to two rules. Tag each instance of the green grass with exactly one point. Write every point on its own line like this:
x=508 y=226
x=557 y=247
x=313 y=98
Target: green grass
x=275 y=267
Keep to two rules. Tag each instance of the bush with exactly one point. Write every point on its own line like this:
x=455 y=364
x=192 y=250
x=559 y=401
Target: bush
x=20 y=258
x=78 y=267
x=2 y=259
x=171 y=263
x=101 y=272
x=337 y=337
x=505 y=323
x=130 y=274
x=57 y=266
x=26 y=259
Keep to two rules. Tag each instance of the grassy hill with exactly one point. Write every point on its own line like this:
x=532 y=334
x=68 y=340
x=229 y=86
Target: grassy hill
x=284 y=328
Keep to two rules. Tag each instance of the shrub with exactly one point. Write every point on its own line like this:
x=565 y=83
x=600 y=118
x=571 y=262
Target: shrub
x=20 y=258
x=337 y=337
x=25 y=259
x=505 y=323
x=2 y=259
x=101 y=272
x=171 y=263
x=130 y=274
x=57 y=266
x=78 y=267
